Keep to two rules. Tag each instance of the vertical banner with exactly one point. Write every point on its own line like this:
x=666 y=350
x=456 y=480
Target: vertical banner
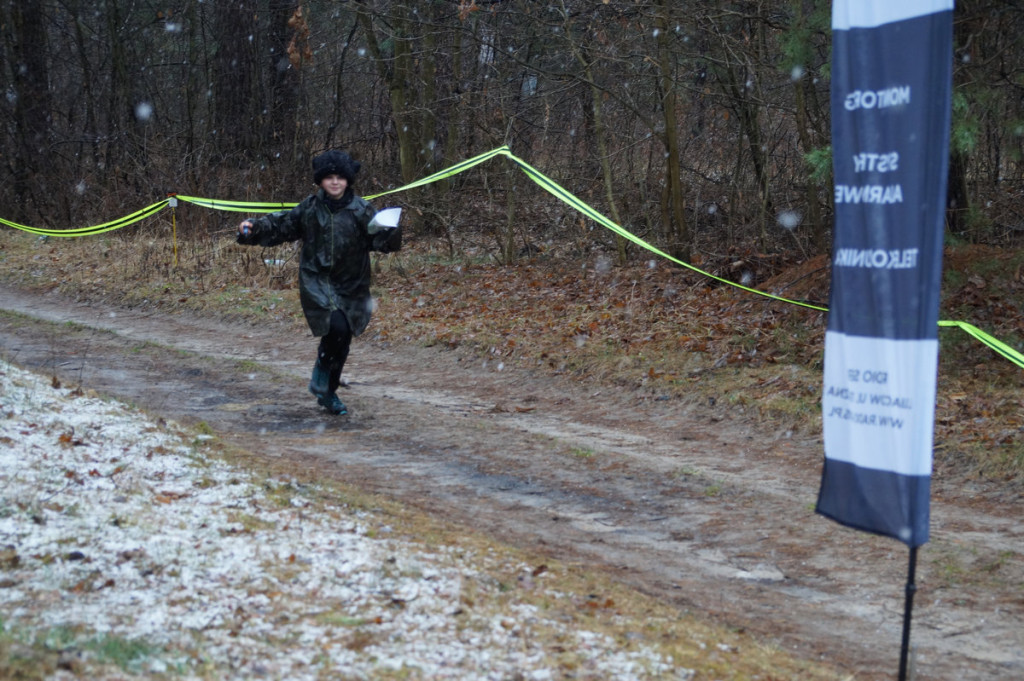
x=891 y=104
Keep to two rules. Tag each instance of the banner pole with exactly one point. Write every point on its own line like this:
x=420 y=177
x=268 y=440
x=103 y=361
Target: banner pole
x=908 y=608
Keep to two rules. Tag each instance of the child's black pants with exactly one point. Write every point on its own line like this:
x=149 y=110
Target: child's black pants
x=334 y=346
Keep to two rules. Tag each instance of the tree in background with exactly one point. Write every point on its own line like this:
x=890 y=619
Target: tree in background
x=703 y=128
x=31 y=109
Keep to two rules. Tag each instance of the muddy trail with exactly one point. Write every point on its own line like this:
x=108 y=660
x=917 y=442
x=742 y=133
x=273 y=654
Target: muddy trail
x=702 y=505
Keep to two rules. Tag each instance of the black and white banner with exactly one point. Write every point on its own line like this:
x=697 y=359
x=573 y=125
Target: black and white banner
x=891 y=102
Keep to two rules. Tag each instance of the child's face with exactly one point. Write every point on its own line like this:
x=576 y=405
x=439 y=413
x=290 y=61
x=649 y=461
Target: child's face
x=334 y=185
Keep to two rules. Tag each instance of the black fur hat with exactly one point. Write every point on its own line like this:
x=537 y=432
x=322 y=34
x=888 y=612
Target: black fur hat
x=335 y=162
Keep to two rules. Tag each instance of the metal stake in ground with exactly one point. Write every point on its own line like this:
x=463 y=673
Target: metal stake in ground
x=908 y=608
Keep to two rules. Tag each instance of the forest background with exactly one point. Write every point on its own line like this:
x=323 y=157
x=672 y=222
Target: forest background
x=702 y=127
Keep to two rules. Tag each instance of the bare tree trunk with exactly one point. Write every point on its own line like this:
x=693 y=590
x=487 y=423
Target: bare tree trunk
x=234 y=78
x=746 y=114
x=117 y=102
x=192 y=146
x=91 y=125
x=583 y=57
x=679 y=236
x=32 y=110
x=813 y=207
x=288 y=53
x=602 y=152
x=451 y=148
x=428 y=98
x=340 y=81
x=957 y=196
x=508 y=235
x=958 y=200
x=398 y=79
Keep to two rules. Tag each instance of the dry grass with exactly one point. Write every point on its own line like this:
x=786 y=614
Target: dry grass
x=503 y=583
x=655 y=330
x=586 y=599
x=648 y=327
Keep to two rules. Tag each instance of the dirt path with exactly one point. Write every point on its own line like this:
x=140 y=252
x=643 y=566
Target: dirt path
x=700 y=505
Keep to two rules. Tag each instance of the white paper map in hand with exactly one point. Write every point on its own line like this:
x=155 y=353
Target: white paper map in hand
x=386 y=218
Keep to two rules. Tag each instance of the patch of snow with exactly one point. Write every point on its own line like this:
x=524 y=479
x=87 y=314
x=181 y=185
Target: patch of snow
x=114 y=525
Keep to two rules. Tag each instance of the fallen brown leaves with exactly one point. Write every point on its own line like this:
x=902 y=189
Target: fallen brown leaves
x=642 y=325
x=667 y=333
x=649 y=326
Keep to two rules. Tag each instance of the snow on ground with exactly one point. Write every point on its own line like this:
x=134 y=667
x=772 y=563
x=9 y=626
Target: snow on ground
x=127 y=547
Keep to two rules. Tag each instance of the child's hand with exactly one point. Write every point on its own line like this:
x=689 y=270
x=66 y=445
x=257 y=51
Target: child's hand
x=245 y=228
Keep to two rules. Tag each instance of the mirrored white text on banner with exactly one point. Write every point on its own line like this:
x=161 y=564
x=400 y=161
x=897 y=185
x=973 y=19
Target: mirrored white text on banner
x=891 y=88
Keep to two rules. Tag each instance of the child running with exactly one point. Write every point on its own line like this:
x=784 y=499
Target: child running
x=333 y=224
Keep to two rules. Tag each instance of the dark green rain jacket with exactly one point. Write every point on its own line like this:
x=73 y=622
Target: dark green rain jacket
x=334 y=266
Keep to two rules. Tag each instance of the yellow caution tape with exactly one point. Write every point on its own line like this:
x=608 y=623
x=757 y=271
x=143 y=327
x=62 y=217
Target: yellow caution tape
x=236 y=206
x=558 y=191
x=991 y=341
x=95 y=229
x=540 y=179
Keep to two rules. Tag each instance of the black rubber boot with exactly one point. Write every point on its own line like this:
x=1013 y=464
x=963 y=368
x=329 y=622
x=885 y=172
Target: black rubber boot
x=324 y=384
x=319 y=382
x=333 y=405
